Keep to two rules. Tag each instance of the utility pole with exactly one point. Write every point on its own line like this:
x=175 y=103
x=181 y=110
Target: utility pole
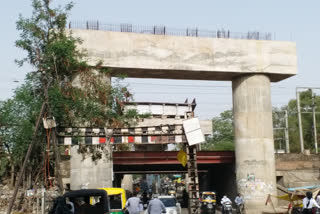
x=286 y=131
x=314 y=121
x=299 y=121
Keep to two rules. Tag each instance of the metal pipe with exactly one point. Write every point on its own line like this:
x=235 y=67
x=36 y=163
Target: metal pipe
x=286 y=131
x=314 y=122
x=299 y=121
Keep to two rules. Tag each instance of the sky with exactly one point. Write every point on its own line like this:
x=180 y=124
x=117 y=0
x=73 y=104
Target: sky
x=292 y=20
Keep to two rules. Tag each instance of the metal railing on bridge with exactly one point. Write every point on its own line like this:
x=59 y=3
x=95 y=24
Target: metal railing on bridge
x=164 y=134
x=164 y=30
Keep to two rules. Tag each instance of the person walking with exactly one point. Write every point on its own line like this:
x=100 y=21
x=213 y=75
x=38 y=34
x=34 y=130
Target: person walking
x=308 y=203
x=156 y=206
x=133 y=204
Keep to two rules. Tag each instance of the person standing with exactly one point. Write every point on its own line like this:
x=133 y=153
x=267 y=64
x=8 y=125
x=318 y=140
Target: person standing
x=133 y=204
x=156 y=206
x=308 y=203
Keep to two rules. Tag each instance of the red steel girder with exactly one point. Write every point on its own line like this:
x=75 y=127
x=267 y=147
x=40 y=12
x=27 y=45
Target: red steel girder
x=166 y=157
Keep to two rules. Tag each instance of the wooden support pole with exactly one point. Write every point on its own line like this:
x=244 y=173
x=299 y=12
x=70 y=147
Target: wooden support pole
x=26 y=159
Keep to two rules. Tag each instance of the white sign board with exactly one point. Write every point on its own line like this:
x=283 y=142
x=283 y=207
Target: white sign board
x=193 y=131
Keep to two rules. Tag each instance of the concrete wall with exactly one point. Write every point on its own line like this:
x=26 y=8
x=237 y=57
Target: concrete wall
x=86 y=173
x=297 y=170
x=172 y=57
x=127 y=183
x=65 y=168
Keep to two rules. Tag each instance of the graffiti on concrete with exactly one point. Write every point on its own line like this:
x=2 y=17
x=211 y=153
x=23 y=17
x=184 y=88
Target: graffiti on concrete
x=254 y=188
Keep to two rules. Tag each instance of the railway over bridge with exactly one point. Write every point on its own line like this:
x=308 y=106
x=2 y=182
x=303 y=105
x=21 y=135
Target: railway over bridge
x=128 y=162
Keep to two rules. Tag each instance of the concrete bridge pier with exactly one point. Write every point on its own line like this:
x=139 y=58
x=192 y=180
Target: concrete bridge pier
x=88 y=174
x=255 y=163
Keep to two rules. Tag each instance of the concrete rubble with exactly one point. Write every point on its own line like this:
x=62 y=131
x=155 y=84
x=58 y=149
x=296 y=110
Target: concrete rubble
x=25 y=204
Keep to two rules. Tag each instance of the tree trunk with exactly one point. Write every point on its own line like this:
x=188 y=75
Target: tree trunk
x=12 y=175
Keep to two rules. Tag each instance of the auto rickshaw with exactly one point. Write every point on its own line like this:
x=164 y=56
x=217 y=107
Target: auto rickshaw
x=172 y=191
x=86 y=201
x=208 y=202
x=117 y=199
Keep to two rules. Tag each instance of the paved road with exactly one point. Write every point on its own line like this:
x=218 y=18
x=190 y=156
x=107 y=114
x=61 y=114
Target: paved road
x=185 y=211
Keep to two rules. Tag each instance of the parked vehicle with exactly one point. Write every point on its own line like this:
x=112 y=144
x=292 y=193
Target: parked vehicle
x=227 y=208
x=171 y=204
x=208 y=202
x=117 y=199
x=86 y=201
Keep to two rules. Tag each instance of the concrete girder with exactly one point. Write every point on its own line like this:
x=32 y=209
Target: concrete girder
x=195 y=58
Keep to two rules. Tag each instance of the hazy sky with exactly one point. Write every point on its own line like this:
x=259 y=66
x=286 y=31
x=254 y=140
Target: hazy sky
x=292 y=20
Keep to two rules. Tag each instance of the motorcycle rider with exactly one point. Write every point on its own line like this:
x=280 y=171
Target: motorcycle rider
x=225 y=200
x=308 y=203
x=239 y=202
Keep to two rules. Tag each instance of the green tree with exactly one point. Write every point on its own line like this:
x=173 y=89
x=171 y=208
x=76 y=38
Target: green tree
x=16 y=124
x=279 y=124
x=307 y=122
x=222 y=138
x=57 y=63
x=56 y=60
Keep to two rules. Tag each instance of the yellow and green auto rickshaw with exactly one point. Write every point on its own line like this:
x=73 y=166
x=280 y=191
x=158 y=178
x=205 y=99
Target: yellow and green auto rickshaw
x=208 y=202
x=117 y=199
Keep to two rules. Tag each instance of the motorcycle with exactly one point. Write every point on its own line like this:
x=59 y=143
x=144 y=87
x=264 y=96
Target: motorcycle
x=240 y=209
x=227 y=208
